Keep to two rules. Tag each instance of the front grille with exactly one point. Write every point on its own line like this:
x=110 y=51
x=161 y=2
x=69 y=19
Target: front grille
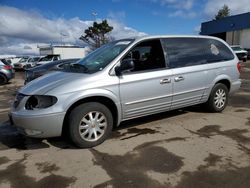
x=18 y=99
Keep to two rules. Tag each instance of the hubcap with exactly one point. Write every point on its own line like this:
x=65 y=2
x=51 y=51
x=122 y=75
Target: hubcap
x=92 y=126
x=220 y=98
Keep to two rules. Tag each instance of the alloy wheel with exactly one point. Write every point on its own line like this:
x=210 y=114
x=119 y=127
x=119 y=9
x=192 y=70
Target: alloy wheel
x=92 y=126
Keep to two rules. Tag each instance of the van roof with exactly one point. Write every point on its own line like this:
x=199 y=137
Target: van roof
x=173 y=36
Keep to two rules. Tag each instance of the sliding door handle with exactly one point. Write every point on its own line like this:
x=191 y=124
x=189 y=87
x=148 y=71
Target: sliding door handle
x=179 y=78
x=165 y=81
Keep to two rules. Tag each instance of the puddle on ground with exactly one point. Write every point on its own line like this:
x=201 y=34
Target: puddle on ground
x=211 y=160
x=47 y=167
x=234 y=134
x=248 y=122
x=15 y=175
x=239 y=100
x=221 y=179
x=135 y=131
x=240 y=110
x=130 y=169
x=4 y=160
x=20 y=142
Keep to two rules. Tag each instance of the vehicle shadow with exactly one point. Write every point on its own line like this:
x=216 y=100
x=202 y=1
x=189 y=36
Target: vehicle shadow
x=10 y=138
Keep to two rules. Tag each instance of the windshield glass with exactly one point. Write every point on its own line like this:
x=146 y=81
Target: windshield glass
x=34 y=59
x=23 y=60
x=100 y=58
x=46 y=58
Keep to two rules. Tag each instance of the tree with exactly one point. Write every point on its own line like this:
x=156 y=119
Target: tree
x=223 y=12
x=96 y=35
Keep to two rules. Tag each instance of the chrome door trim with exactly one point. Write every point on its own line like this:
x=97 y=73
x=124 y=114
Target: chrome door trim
x=190 y=91
x=165 y=96
x=149 y=99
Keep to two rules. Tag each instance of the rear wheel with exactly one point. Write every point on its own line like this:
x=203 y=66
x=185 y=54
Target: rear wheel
x=3 y=79
x=90 y=124
x=218 y=99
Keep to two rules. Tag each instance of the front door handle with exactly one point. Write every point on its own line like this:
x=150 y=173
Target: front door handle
x=165 y=81
x=179 y=78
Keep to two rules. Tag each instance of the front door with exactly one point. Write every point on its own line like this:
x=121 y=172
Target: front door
x=146 y=89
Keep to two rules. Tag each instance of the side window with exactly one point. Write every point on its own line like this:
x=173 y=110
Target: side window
x=183 y=52
x=55 y=58
x=147 y=55
x=218 y=52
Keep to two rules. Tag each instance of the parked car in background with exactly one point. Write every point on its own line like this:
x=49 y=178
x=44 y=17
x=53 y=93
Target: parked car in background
x=33 y=73
x=27 y=62
x=6 y=72
x=47 y=59
x=6 y=60
x=248 y=53
x=240 y=52
x=14 y=60
x=32 y=61
x=21 y=63
x=126 y=79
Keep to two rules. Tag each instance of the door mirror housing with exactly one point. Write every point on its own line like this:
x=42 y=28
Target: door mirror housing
x=126 y=65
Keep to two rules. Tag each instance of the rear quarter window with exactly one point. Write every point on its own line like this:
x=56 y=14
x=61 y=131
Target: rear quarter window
x=183 y=52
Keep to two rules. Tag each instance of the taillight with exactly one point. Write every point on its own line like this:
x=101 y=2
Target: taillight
x=7 y=67
x=239 y=67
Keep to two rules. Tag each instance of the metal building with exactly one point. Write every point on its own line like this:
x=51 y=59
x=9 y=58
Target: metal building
x=235 y=30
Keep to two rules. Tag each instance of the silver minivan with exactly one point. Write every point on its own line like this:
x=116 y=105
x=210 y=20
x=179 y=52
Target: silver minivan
x=127 y=79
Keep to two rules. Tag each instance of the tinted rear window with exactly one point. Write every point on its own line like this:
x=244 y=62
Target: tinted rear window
x=183 y=52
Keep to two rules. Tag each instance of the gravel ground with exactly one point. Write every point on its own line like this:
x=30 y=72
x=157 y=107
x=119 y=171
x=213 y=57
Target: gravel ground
x=182 y=148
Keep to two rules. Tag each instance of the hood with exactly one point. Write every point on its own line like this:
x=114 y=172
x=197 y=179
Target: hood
x=43 y=62
x=50 y=81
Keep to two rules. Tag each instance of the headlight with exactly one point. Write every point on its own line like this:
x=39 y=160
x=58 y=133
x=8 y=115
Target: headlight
x=40 y=101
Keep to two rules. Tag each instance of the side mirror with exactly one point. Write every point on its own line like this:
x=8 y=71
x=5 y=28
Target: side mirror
x=126 y=65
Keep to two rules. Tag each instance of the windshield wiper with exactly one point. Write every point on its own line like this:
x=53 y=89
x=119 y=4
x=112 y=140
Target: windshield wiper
x=76 y=67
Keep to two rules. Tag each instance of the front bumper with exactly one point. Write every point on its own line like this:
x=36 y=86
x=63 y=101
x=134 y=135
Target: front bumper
x=42 y=126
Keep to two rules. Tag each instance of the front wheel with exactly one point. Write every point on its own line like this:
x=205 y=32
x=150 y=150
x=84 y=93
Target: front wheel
x=218 y=99
x=90 y=124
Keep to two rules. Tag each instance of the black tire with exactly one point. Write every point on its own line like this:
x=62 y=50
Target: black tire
x=3 y=79
x=211 y=103
x=83 y=111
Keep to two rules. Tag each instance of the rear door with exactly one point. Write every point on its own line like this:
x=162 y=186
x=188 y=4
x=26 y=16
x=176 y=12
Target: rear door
x=191 y=76
x=148 y=88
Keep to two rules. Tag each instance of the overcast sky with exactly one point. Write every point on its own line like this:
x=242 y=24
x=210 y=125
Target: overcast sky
x=24 y=24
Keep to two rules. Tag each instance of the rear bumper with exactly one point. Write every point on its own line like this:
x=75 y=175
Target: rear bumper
x=43 y=126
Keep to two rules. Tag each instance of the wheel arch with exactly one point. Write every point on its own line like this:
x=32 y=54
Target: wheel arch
x=226 y=82
x=223 y=79
x=108 y=102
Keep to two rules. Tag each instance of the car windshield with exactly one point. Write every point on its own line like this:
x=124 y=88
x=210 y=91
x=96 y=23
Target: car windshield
x=23 y=60
x=46 y=58
x=34 y=59
x=100 y=58
x=5 y=61
x=236 y=48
